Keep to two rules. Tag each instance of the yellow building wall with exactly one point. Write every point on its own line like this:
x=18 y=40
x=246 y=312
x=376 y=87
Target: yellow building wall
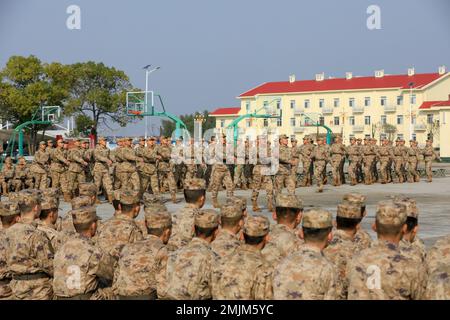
x=444 y=134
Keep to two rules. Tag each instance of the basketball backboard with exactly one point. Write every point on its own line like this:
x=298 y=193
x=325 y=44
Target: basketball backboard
x=136 y=102
x=310 y=119
x=50 y=113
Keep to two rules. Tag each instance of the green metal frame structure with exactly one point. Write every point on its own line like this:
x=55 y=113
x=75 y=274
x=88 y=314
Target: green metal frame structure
x=179 y=124
x=317 y=124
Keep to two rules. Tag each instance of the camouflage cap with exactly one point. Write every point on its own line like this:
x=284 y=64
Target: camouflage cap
x=231 y=211
x=283 y=136
x=13 y=196
x=355 y=198
x=84 y=215
x=9 y=208
x=48 y=203
x=52 y=192
x=410 y=204
x=42 y=143
x=256 y=226
x=158 y=219
x=238 y=201
x=149 y=198
x=390 y=213
x=29 y=197
x=195 y=184
x=87 y=189
x=349 y=210
x=288 y=201
x=207 y=218
x=101 y=138
x=317 y=219
x=129 y=197
x=156 y=207
x=81 y=201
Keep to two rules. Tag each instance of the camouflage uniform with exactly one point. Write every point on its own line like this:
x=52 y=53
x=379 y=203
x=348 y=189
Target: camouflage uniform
x=438 y=284
x=283 y=177
x=30 y=256
x=428 y=156
x=399 y=162
x=58 y=165
x=306 y=155
x=50 y=203
x=121 y=229
x=141 y=263
x=101 y=174
x=39 y=169
x=337 y=151
x=80 y=265
x=438 y=254
x=22 y=176
x=383 y=271
x=6 y=176
x=306 y=274
x=220 y=174
x=283 y=240
x=147 y=172
x=76 y=174
x=369 y=154
x=262 y=179
x=126 y=172
x=362 y=238
x=245 y=275
x=227 y=242
x=385 y=155
x=321 y=156
x=189 y=272
x=354 y=155
x=413 y=159
x=165 y=168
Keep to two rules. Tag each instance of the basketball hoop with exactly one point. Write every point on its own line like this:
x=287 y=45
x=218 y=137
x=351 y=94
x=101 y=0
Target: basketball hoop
x=134 y=112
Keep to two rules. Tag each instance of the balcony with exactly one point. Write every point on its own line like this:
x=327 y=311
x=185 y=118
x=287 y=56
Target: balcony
x=390 y=108
x=420 y=127
x=358 y=128
x=298 y=111
x=299 y=129
x=327 y=110
x=357 y=109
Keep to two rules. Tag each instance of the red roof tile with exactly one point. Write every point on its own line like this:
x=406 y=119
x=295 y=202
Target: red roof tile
x=430 y=104
x=388 y=81
x=226 y=111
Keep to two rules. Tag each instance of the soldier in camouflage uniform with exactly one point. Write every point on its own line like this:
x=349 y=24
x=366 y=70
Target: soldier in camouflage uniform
x=220 y=172
x=141 y=263
x=39 y=167
x=321 y=156
x=22 y=176
x=399 y=158
x=179 y=166
x=190 y=270
x=88 y=156
x=337 y=151
x=121 y=229
x=261 y=175
x=283 y=238
x=306 y=274
x=126 y=170
x=341 y=248
x=413 y=160
x=7 y=175
x=283 y=177
x=77 y=167
x=353 y=154
x=428 y=156
x=80 y=265
x=385 y=156
x=362 y=238
x=9 y=215
x=245 y=275
x=195 y=197
x=369 y=154
x=359 y=166
x=165 y=167
x=147 y=172
x=103 y=162
x=30 y=253
x=376 y=159
x=48 y=218
x=295 y=152
x=438 y=284
x=231 y=222
x=383 y=271
x=306 y=155
x=58 y=165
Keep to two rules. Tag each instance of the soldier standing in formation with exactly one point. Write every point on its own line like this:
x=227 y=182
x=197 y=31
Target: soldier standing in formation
x=102 y=179
x=283 y=177
x=429 y=155
x=262 y=177
x=39 y=167
x=306 y=155
x=354 y=155
x=338 y=152
x=7 y=175
x=164 y=151
x=220 y=172
x=320 y=155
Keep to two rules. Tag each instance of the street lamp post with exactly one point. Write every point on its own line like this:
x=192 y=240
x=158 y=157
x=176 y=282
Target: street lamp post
x=147 y=73
x=411 y=84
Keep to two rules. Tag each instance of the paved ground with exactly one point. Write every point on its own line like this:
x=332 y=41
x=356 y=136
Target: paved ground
x=433 y=201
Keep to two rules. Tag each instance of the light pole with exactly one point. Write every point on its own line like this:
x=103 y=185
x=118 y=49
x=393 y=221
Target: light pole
x=411 y=84
x=147 y=72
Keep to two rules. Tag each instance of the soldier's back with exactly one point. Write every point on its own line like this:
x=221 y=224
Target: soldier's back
x=382 y=272
x=5 y=274
x=225 y=243
x=283 y=241
x=362 y=240
x=438 y=284
x=438 y=254
x=305 y=275
x=244 y=275
x=183 y=225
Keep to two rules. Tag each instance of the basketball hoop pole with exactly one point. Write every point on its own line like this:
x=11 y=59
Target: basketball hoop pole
x=147 y=73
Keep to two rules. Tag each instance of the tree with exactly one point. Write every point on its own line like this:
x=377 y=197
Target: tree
x=83 y=124
x=26 y=84
x=98 y=92
x=389 y=130
x=433 y=129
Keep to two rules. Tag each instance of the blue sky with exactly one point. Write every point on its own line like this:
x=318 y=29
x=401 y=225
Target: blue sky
x=210 y=51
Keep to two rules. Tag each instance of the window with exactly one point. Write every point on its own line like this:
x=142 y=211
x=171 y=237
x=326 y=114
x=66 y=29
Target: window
x=306 y=103
x=292 y=104
x=399 y=100
x=279 y=122
x=367 y=101
x=247 y=107
x=351 y=121
x=322 y=120
x=413 y=120
x=278 y=104
x=383 y=101
x=383 y=120
x=222 y=123
x=351 y=102
x=292 y=122
x=351 y=136
x=321 y=103
x=413 y=99
x=248 y=122
x=414 y=136
x=400 y=136
x=399 y=119
x=429 y=118
x=266 y=103
x=367 y=120
x=336 y=102
x=383 y=136
x=266 y=122
x=336 y=121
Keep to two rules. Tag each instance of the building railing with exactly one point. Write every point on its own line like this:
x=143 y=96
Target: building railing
x=420 y=127
x=298 y=110
x=327 y=110
x=390 y=108
x=358 y=109
x=358 y=128
x=299 y=129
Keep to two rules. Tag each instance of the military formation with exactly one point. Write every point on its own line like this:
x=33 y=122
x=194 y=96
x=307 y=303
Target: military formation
x=196 y=253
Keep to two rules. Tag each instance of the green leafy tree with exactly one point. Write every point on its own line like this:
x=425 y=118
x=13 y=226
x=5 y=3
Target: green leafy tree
x=83 y=124
x=389 y=130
